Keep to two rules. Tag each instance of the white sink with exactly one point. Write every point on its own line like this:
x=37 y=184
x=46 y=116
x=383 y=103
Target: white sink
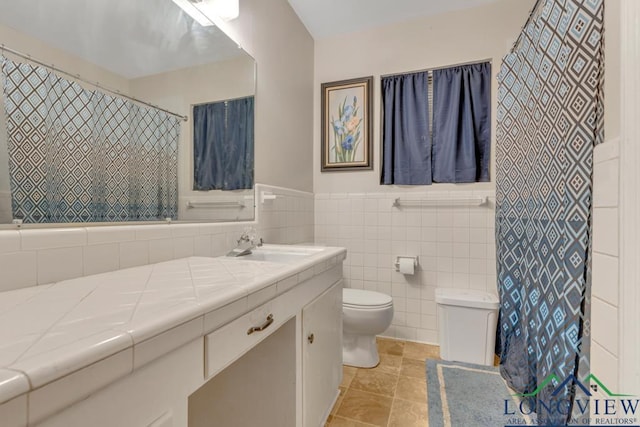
x=281 y=254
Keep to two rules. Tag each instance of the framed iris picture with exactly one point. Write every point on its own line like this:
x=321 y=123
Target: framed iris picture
x=346 y=125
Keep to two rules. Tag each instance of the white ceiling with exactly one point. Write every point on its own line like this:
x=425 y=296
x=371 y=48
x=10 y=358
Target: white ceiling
x=135 y=38
x=132 y=38
x=326 y=18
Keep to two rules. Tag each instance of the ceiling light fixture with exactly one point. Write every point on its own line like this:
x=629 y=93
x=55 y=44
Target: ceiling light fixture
x=190 y=8
x=205 y=11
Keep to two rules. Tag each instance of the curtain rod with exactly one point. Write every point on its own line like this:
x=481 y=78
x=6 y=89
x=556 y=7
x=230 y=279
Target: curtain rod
x=95 y=84
x=478 y=61
x=222 y=100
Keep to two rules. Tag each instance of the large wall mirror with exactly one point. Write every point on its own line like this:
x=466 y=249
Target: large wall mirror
x=71 y=152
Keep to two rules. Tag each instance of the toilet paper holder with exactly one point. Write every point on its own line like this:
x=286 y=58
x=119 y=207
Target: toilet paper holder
x=397 y=263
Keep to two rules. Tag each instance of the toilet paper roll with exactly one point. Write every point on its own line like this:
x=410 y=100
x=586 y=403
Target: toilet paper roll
x=407 y=266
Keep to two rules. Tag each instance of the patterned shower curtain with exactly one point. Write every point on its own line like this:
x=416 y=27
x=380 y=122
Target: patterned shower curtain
x=550 y=116
x=77 y=155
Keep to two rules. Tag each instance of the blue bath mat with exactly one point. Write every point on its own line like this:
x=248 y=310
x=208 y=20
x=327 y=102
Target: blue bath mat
x=463 y=394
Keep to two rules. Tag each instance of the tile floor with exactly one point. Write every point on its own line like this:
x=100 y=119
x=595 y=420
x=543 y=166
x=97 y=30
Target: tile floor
x=393 y=394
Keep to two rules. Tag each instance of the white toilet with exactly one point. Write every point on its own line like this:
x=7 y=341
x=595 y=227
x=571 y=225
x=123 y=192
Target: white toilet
x=365 y=314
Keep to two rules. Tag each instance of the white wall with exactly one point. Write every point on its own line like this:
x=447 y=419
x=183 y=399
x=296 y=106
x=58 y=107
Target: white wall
x=456 y=245
x=481 y=33
x=271 y=32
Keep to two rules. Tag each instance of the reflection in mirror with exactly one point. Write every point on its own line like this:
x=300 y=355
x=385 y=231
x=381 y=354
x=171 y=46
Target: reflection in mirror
x=223 y=145
x=74 y=152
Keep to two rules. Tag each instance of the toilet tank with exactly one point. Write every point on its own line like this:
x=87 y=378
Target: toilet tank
x=467 y=325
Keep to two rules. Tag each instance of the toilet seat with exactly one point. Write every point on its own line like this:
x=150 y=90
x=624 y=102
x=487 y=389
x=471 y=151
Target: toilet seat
x=360 y=299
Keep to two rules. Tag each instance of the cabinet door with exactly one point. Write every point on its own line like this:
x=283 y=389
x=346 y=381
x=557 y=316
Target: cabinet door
x=322 y=355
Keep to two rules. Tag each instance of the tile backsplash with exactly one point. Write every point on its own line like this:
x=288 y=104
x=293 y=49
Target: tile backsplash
x=31 y=257
x=455 y=246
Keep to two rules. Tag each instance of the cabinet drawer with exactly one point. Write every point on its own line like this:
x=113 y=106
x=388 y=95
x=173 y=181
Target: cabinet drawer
x=227 y=344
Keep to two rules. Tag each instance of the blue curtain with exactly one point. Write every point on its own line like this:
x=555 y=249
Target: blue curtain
x=406 y=156
x=462 y=123
x=77 y=155
x=223 y=145
x=550 y=115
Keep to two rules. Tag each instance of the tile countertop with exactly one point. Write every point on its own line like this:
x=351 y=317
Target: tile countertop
x=50 y=331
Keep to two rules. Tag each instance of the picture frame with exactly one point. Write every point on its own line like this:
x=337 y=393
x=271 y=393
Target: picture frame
x=347 y=126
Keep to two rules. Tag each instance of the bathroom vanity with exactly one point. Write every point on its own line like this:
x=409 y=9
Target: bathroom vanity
x=197 y=341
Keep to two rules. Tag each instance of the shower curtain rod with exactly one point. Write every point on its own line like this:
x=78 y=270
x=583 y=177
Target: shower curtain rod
x=478 y=61
x=95 y=84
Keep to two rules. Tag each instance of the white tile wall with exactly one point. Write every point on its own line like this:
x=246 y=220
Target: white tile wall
x=115 y=234
x=605 y=285
x=289 y=218
x=18 y=269
x=10 y=241
x=31 y=257
x=604 y=364
x=52 y=238
x=455 y=246
x=605 y=277
x=600 y=328
x=101 y=258
x=606 y=183
x=59 y=264
x=133 y=254
x=605 y=235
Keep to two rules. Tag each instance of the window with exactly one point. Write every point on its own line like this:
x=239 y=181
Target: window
x=437 y=126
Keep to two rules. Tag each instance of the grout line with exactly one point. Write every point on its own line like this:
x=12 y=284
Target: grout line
x=375 y=394
x=395 y=390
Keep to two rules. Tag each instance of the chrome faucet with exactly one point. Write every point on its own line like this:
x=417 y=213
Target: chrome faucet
x=248 y=241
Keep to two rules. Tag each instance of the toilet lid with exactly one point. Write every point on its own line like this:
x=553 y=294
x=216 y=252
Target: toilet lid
x=363 y=298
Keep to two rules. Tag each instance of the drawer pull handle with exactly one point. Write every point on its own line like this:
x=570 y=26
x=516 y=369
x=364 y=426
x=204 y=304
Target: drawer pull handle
x=262 y=327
